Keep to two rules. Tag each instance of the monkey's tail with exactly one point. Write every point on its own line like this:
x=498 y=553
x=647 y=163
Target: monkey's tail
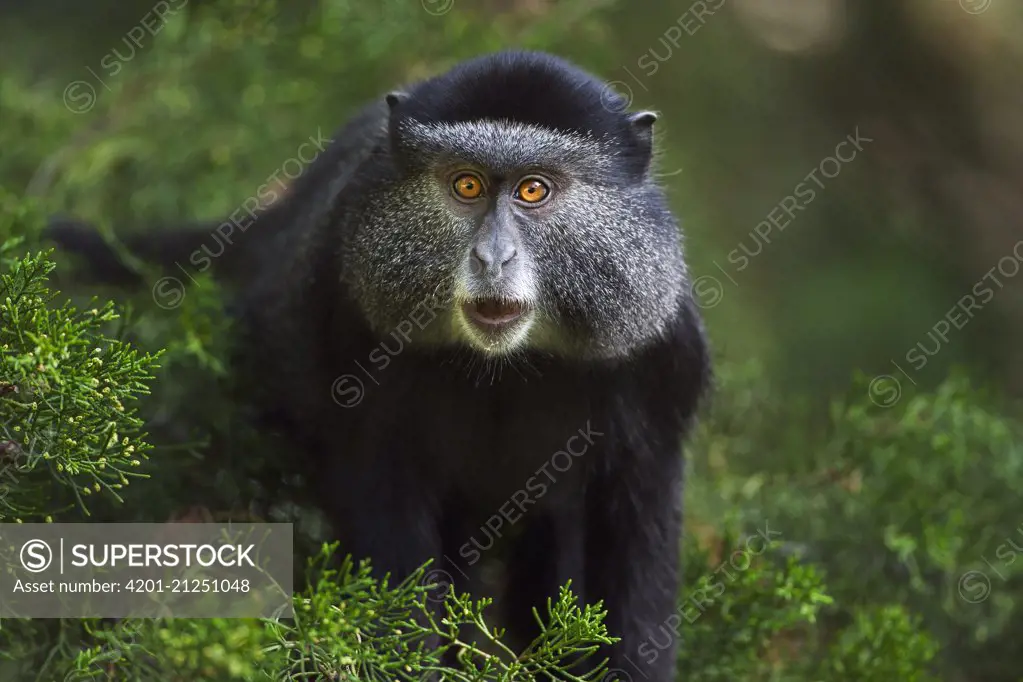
x=193 y=248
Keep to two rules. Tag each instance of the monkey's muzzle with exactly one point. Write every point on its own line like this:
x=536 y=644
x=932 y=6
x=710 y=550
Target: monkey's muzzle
x=493 y=315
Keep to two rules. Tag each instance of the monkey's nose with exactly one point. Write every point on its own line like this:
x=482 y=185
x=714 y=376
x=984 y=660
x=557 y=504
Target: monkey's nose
x=488 y=259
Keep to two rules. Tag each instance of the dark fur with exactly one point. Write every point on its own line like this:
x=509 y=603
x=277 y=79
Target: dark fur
x=443 y=437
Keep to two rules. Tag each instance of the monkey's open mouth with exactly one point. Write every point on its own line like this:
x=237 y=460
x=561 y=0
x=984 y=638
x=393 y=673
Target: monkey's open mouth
x=493 y=314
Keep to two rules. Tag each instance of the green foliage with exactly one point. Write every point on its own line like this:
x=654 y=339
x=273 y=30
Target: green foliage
x=910 y=503
x=737 y=610
x=368 y=630
x=884 y=643
x=182 y=649
x=65 y=427
x=758 y=616
x=347 y=626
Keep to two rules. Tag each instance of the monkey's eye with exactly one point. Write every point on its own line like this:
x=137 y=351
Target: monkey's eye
x=468 y=186
x=532 y=191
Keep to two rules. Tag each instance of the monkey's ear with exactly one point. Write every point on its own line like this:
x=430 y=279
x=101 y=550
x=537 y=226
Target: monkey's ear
x=395 y=98
x=400 y=146
x=642 y=123
x=644 y=119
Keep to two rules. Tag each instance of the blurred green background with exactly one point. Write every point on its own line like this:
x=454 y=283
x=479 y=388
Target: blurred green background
x=864 y=406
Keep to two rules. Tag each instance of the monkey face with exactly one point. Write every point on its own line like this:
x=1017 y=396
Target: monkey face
x=518 y=237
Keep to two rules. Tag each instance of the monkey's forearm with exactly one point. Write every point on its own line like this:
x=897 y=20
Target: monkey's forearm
x=635 y=570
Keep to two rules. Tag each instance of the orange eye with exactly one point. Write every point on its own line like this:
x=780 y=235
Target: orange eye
x=468 y=186
x=532 y=191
